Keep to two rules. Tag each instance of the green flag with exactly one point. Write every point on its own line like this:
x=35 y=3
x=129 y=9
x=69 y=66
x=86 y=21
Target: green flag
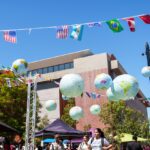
x=114 y=25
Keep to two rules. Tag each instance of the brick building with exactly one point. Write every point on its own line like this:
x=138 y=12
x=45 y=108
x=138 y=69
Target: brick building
x=88 y=65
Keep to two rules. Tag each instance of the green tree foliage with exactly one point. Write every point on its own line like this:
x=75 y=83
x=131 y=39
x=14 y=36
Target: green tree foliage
x=65 y=117
x=13 y=102
x=120 y=118
x=43 y=122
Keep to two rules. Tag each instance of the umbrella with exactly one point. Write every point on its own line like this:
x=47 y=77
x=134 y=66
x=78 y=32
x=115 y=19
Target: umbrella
x=49 y=140
x=60 y=127
x=6 y=128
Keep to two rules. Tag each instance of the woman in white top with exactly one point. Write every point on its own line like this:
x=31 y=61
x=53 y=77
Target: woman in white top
x=57 y=145
x=98 y=142
x=84 y=145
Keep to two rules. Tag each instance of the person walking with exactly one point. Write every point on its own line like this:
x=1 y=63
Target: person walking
x=134 y=145
x=98 y=142
x=57 y=145
x=84 y=145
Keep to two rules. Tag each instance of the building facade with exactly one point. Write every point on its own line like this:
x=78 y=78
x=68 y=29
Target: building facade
x=88 y=65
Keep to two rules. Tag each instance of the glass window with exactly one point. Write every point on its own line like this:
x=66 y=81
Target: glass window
x=40 y=71
x=71 y=65
x=34 y=72
x=67 y=65
x=44 y=70
x=50 y=69
x=29 y=73
x=61 y=67
x=56 y=68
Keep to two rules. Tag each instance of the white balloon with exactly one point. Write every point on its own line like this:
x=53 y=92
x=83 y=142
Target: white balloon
x=124 y=87
x=146 y=71
x=76 y=113
x=71 y=85
x=103 y=81
x=51 y=105
x=20 y=67
x=95 y=109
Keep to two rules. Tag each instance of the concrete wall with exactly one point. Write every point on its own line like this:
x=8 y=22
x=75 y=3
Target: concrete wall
x=47 y=92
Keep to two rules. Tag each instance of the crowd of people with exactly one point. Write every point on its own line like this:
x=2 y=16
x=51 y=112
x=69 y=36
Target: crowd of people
x=98 y=142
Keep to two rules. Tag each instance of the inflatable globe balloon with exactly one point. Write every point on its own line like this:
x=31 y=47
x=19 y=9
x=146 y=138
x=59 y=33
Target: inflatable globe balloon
x=95 y=109
x=19 y=67
x=76 y=113
x=146 y=71
x=125 y=87
x=71 y=85
x=110 y=95
x=50 y=105
x=103 y=81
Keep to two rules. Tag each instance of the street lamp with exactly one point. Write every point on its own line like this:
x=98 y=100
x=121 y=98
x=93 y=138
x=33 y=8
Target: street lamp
x=147 y=53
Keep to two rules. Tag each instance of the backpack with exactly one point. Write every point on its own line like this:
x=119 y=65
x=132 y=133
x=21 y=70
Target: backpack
x=102 y=141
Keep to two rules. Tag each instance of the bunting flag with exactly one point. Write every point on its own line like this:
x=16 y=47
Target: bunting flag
x=145 y=18
x=62 y=32
x=88 y=94
x=10 y=36
x=131 y=23
x=93 y=95
x=77 y=32
x=77 y=29
x=114 y=25
x=8 y=82
x=98 y=96
x=94 y=24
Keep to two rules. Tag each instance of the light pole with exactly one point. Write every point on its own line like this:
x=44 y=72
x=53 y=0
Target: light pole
x=147 y=53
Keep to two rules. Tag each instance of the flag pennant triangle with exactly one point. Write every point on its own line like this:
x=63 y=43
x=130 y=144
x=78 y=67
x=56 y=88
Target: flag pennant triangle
x=145 y=18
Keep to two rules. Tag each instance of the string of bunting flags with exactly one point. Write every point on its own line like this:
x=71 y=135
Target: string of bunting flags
x=62 y=32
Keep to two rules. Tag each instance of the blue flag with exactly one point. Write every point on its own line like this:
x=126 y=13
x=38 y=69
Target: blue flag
x=77 y=32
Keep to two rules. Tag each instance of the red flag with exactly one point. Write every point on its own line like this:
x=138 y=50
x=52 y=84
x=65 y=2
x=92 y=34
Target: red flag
x=131 y=23
x=145 y=18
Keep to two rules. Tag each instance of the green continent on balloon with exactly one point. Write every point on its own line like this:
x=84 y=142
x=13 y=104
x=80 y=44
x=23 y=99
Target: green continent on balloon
x=125 y=86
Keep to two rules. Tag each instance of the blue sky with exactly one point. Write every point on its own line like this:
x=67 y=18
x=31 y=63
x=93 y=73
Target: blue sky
x=40 y=44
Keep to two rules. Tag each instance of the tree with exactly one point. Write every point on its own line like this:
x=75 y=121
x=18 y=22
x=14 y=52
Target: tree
x=13 y=102
x=120 y=118
x=44 y=122
x=65 y=117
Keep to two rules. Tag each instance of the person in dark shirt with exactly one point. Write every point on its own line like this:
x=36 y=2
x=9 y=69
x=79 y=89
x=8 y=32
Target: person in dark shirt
x=18 y=142
x=134 y=145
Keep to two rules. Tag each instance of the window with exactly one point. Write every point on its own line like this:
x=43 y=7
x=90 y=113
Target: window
x=61 y=67
x=44 y=70
x=40 y=71
x=71 y=65
x=29 y=73
x=50 y=69
x=56 y=68
x=67 y=65
x=34 y=72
